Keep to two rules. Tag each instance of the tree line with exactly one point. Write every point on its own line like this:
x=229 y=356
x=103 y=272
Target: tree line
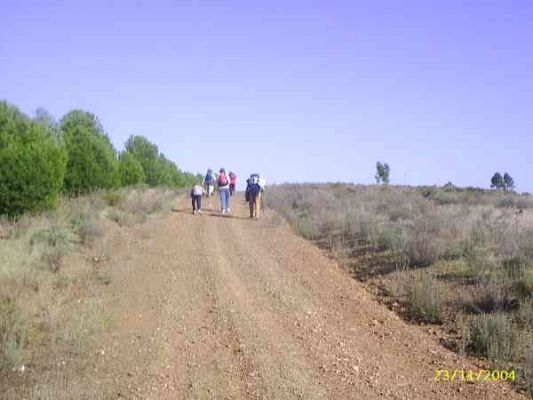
x=40 y=159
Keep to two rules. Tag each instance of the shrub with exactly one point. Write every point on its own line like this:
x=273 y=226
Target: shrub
x=12 y=334
x=32 y=164
x=92 y=160
x=492 y=336
x=426 y=298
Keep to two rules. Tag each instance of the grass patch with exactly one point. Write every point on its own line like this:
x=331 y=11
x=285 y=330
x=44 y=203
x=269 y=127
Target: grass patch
x=79 y=329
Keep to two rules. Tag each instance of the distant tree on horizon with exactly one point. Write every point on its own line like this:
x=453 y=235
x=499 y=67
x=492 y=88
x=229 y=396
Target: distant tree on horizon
x=497 y=181
x=508 y=182
x=382 y=173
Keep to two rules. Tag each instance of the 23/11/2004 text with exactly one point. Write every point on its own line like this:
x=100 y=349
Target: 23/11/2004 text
x=482 y=375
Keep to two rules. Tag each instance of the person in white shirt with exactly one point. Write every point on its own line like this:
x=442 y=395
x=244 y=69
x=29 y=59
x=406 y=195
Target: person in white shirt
x=197 y=192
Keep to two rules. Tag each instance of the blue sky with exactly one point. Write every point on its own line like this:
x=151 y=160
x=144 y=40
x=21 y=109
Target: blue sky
x=297 y=90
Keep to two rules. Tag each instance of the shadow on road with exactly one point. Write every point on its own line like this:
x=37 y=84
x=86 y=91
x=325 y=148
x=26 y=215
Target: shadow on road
x=225 y=216
x=209 y=213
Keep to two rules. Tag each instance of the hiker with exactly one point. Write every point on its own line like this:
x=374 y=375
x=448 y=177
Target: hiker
x=209 y=182
x=223 y=190
x=197 y=192
x=232 y=182
x=255 y=185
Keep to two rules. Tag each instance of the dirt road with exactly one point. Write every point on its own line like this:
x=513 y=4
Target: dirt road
x=218 y=307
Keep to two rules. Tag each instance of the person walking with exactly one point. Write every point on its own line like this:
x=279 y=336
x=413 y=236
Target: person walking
x=254 y=188
x=223 y=190
x=197 y=192
x=209 y=182
x=232 y=182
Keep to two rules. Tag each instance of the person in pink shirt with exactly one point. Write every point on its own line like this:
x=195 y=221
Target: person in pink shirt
x=232 y=182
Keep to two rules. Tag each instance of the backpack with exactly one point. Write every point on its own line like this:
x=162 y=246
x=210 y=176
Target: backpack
x=209 y=178
x=222 y=180
x=252 y=190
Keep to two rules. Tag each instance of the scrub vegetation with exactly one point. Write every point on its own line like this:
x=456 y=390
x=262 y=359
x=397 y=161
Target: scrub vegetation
x=458 y=258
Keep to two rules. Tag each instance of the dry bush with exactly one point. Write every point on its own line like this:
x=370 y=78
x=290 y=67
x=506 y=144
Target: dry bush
x=50 y=245
x=113 y=198
x=136 y=205
x=340 y=248
x=12 y=334
x=89 y=231
x=525 y=313
x=426 y=296
x=527 y=375
x=121 y=218
x=490 y=295
x=148 y=201
x=481 y=242
x=492 y=336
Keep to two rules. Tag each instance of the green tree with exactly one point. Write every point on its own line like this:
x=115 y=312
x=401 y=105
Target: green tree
x=92 y=160
x=508 y=182
x=159 y=170
x=497 y=181
x=382 y=173
x=32 y=164
x=147 y=154
x=48 y=122
x=130 y=171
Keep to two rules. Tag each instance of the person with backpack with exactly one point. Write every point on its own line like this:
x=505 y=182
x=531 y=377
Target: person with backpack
x=232 y=182
x=254 y=187
x=209 y=182
x=223 y=190
x=197 y=192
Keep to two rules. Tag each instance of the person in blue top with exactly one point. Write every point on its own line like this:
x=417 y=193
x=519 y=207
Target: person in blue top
x=209 y=182
x=255 y=185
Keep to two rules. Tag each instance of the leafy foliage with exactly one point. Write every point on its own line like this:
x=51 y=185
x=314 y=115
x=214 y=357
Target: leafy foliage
x=92 y=160
x=32 y=164
x=130 y=170
x=40 y=158
x=158 y=170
